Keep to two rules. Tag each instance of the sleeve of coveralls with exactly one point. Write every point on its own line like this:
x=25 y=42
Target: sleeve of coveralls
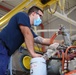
x=22 y=18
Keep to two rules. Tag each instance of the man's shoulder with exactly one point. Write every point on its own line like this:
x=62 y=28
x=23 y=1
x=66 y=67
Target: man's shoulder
x=21 y=13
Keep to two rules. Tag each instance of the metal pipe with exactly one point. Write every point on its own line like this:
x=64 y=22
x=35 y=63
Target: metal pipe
x=5 y=8
x=8 y=3
x=42 y=27
x=71 y=10
x=52 y=30
x=64 y=17
x=42 y=34
x=49 y=30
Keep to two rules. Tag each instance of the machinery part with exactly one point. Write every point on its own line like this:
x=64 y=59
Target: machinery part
x=53 y=46
x=53 y=37
x=71 y=73
x=66 y=53
x=74 y=42
x=51 y=51
x=44 y=1
x=65 y=35
x=38 y=66
x=53 y=67
x=49 y=54
x=67 y=50
x=72 y=65
x=63 y=61
x=54 y=9
x=25 y=63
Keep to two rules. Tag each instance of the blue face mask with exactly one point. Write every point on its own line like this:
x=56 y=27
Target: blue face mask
x=37 y=21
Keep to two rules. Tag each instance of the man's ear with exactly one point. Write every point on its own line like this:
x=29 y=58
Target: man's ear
x=33 y=13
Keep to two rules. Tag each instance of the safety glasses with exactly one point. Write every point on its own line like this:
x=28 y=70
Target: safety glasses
x=39 y=14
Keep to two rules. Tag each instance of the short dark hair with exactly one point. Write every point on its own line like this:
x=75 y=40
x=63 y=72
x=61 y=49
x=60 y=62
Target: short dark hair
x=34 y=9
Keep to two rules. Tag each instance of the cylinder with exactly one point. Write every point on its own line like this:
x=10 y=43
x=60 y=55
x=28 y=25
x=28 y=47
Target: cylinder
x=38 y=66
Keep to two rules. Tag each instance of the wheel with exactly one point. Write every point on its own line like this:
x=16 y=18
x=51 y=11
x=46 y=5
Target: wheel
x=25 y=62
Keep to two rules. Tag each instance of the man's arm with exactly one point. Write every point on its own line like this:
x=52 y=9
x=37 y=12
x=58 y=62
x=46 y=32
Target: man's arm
x=29 y=40
x=45 y=41
x=41 y=40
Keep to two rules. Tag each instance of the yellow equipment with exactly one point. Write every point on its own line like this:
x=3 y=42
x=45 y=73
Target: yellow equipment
x=25 y=63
